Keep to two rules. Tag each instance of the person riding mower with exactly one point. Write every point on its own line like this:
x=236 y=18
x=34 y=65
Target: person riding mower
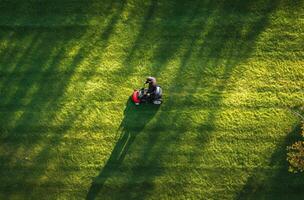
x=152 y=94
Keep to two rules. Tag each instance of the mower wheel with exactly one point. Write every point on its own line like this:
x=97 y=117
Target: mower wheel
x=157 y=102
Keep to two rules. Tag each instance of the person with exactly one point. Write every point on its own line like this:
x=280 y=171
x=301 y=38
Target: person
x=152 y=85
x=154 y=91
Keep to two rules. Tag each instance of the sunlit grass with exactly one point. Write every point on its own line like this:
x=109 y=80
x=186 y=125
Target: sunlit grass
x=230 y=73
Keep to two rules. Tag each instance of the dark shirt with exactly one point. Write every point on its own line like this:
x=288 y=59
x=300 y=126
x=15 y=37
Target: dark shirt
x=152 y=88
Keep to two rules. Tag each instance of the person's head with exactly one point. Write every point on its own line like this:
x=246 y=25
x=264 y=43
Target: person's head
x=151 y=80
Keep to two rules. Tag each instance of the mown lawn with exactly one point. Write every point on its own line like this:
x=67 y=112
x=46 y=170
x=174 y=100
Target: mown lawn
x=230 y=70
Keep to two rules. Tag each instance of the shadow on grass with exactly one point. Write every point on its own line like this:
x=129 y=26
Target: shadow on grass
x=276 y=182
x=36 y=69
x=134 y=121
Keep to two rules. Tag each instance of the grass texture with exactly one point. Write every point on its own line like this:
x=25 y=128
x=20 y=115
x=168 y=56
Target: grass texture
x=230 y=70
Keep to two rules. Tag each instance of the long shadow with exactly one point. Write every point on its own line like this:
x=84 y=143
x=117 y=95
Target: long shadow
x=134 y=121
x=276 y=182
x=128 y=67
x=17 y=133
x=34 y=83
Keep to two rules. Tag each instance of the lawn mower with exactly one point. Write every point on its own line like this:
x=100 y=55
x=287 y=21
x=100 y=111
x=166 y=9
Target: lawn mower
x=143 y=95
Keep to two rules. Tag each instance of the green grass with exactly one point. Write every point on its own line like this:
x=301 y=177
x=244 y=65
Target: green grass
x=230 y=71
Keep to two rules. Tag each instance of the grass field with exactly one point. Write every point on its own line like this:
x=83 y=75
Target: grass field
x=230 y=71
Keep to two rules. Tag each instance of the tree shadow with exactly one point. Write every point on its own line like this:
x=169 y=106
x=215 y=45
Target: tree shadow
x=135 y=120
x=36 y=70
x=276 y=182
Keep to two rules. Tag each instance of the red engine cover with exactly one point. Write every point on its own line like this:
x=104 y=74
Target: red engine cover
x=135 y=97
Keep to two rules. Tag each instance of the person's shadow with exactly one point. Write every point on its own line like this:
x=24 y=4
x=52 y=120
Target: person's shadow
x=135 y=119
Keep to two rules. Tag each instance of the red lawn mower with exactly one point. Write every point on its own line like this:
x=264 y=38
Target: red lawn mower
x=152 y=94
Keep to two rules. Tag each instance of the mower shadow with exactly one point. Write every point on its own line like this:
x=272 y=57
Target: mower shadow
x=134 y=121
